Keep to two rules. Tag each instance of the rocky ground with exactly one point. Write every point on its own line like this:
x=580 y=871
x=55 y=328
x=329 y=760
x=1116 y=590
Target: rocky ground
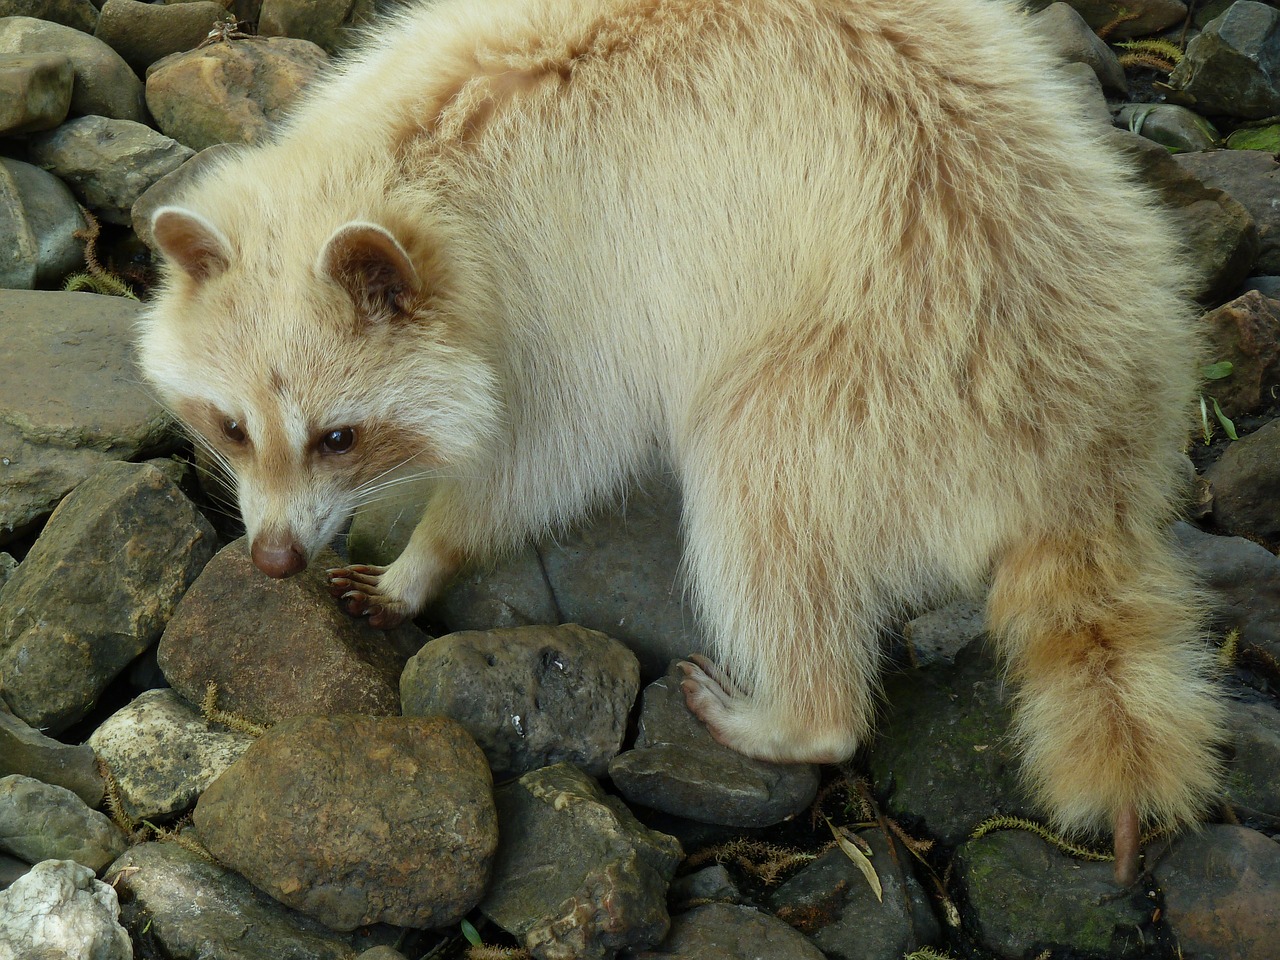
x=198 y=762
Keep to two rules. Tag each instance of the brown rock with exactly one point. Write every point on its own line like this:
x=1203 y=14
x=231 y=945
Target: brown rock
x=359 y=820
x=1246 y=332
x=35 y=91
x=230 y=92
x=143 y=33
x=280 y=648
x=1246 y=486
x=326 y=23
x=1252 y=177
x=81 y=14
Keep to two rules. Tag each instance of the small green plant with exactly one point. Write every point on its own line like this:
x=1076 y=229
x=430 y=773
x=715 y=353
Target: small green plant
x=1216 y=371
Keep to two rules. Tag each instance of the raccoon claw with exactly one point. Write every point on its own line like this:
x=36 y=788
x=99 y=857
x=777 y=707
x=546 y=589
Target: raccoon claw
x=356 y=588
x=1126 y=846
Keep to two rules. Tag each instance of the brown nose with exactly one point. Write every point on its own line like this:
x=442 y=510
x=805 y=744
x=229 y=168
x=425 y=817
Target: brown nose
x=278 y=560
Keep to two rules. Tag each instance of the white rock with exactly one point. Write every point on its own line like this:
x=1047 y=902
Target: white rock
x=59 y=910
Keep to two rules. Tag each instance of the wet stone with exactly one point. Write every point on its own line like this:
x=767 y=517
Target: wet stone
x=677 y=767
x=39 y=821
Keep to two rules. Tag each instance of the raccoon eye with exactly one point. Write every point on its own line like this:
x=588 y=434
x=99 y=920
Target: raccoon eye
x=232 y=430
x=338 y=441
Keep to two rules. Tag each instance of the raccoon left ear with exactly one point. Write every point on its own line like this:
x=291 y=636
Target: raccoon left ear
x=369 y=263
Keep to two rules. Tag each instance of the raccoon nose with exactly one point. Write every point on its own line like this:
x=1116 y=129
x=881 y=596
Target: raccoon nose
x=278 y=560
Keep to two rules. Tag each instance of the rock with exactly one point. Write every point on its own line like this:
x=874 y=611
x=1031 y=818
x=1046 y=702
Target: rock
x=69 y=400
x=96 y=590
x=1092 y=99
x=1127 y=18
x=939 y=635
x=513 y=592
x=105 y=86
x=40 y=217
x=166 y=189
x=30 y=753
x=577 y=877
x=1230 y=68
x=230 y=92
x=280 y=648
x=326 y=23
x=192 y=909
x=1219 y=232
x=1243 y=583
x=162 y=755
x=58 y=910
x=1168 y=125
x=1067 y=32
x=39 y=821
x=1246 y=486
x=143 y=33
x=1253 y=773
x=35 y=91
x=943 y=752
x=1253 y=179
x=108 y=163
x=1222 y=893
x=530 y=696
x=832 y=902
x=678 y=768
x=358 y=820
x=1256 y=138
x=1245 y=332
x=1026 y=897
x=81 y=14
x=720 y=931
x=702 y=886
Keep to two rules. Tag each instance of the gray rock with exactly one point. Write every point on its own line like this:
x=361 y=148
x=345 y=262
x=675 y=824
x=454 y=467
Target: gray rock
x=678 y=768
x=358 y=820
x=230 y=92
x=1093 y=99
x=1243 y=583
x=326 y=23
x=143 y=33
x=943 y=752
x=1222 y=893
x=530 y=696
x=1026 y=897
x=513 y=592
x=1246 y=485
x=1245 y=332
x=381 y=953
x=30 y=753
x=577 y=877
x=721 y=931
x=1253 y=773
x=210 y=912
x=40 y=217
x=1127 y=18
x=96 y=590
x=280 y=648
x=832 y=902
x=108 y=163
x=1253 y=179
x=105 y=85
x=58 y=911
x=939 y=635
x=166 y=189
x=35 y=91
x=162 y=755
x=69 y=399
x=701 y=886
x=81 y=14
x=39 y=821
x=1233 y=66
x=1067 y=31
x=1169 y=125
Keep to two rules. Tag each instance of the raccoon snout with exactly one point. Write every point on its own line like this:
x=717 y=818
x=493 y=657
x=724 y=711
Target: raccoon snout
x=278 y=559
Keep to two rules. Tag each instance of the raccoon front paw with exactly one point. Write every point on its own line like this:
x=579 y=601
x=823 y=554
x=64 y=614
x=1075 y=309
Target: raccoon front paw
x=357 y=589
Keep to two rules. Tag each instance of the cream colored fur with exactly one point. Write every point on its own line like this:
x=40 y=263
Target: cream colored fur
x=858 y=270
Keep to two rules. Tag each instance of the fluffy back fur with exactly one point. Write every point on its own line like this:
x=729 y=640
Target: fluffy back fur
x=896 y=322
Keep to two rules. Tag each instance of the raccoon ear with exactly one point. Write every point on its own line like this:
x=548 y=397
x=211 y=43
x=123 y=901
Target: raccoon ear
x=369 y=263
x=193 y=243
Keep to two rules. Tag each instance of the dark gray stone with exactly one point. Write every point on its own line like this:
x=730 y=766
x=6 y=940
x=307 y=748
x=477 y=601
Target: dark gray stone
x=39 y=821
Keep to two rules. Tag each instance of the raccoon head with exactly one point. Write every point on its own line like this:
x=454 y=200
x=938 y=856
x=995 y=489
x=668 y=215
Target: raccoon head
x=314 y=377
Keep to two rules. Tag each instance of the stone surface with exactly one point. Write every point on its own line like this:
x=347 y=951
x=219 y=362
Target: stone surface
x=1137 y=18
x=1246 y=486
x=721 y=931
x=96 y=590
x=832 y=902
x=81 y=14
x=940 y=635
x=1233 y=66
x=1169 y=125
x=1243 y=582
x=577 y=877
x=165 y=190
x=69 y=398
x=1245 y=332
x=530 y=696
x=678 y=768
x=39 y=217
x=1253 y=179
x=358 y=820
x=35 y=91
x=192 y=909
x=108 y=163
x=280 y=648
x=1222 y=893
x=143 y=33
x=1026 y=897
x=326 y=23
x=162 y=754
x=58 y=910
x=30 y=753
x=229 y=92
x=1253 y=772
x=39 y=821
x=1068 y=33
x=105 y=86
